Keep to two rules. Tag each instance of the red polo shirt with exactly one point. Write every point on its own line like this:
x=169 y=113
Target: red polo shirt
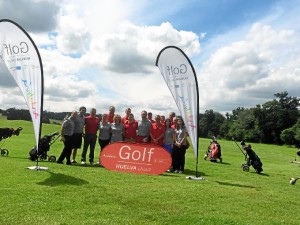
x=124 y=119
x=130 y=129
x=156 y=131
x=110 y=118
x=91 y=125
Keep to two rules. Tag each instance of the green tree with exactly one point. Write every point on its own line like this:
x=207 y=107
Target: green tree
x=278 y=115
x=210 y=123
x=288 y=136
x=244 y=127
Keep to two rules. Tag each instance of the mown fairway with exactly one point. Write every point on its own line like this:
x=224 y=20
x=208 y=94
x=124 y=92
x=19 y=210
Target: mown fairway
x=93 y=195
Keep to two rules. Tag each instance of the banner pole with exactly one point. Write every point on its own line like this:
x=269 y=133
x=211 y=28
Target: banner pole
x=180 y=76
x=28 y=72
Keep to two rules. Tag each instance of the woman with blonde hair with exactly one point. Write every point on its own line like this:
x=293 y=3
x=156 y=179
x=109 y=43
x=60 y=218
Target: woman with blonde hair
x=117 y=129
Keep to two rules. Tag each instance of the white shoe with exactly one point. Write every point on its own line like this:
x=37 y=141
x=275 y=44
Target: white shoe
x=83 y=163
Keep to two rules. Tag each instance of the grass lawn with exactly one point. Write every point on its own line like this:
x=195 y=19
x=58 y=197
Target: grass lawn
x=93 y=195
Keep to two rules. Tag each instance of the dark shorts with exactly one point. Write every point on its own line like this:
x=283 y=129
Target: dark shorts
x=77 y=140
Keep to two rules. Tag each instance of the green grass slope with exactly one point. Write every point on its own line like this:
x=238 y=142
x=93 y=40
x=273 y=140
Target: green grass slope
x=93 y=195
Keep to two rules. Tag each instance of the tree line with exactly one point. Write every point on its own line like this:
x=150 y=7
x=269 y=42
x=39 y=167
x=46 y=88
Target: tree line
x=23 y=114
x=274 y=122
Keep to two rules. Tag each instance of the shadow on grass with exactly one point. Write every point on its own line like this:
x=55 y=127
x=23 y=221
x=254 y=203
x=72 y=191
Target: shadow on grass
x=235 y=185
x=186 y=172
x=16 y=157
x=263 y=174
x=57 y=179
x=193 y=173
x=221 y=163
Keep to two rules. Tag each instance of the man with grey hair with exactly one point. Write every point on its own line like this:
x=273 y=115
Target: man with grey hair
x=78 y=131
x=67 y=131
x=143 y=131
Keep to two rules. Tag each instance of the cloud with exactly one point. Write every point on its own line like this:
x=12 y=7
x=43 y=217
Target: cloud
x=73 y=36
x=32 y=15
x=248 y=70
x=103 y=53
x=134 y=48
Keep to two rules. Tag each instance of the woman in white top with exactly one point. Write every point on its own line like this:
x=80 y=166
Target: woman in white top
x=179 y=146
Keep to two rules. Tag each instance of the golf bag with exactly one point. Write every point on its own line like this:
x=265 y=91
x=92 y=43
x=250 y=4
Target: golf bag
x=213 y=151
x=7 y=133
x=252 y=159
x=44 y=147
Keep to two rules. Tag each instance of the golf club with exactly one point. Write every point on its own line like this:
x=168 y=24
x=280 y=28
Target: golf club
x=244 y=153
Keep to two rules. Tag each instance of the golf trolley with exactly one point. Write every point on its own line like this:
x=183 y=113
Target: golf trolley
x=44 y=147
x=297 y=154
x=7 y=133
x=251 y=158
x=213 y=152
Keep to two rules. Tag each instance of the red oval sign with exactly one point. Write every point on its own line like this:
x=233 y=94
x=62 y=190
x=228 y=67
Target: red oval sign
x=136 y=158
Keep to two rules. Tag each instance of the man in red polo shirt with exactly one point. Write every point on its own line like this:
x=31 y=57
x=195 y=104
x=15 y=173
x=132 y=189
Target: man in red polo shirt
x=111 y=114
x=125 y=118
x=130 y=129
x=157 y=132
x=149 y=117
x=90 y=136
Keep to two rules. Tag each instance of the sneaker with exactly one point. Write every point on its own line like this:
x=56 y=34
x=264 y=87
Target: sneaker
x=180 y=171
x=176 y=171
x=73 y=161
x=83 y=163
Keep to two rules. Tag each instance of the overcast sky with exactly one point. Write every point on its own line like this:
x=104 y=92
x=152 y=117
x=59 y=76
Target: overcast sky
x=99 y=53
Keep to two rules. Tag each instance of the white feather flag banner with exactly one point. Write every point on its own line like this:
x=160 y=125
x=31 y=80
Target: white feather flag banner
x=23 y=61
x=180 y=77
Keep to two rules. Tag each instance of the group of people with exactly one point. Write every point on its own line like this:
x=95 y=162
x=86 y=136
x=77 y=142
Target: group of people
x=170 y=133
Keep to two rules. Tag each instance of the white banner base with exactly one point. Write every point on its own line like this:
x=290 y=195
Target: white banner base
x=195 y=178
x=37 y=168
